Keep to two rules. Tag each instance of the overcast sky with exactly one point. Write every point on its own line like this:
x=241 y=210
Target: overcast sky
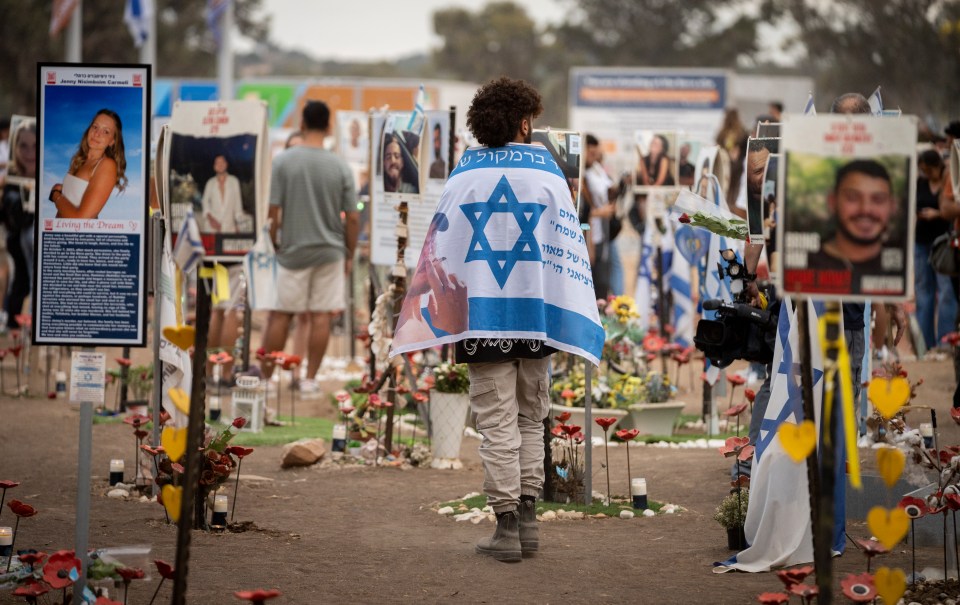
x=373 y=29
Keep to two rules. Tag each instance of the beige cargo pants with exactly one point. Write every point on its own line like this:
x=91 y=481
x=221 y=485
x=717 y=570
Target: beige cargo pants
x=510 y=399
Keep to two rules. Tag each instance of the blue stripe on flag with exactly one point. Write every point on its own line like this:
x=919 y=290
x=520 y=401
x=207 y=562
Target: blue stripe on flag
x=534 y=315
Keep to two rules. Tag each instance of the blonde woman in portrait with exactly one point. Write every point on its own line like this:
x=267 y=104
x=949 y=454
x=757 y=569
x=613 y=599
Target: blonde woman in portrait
x=98 y=166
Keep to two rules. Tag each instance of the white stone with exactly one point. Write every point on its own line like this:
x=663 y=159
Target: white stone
x=649 y=513
x=487 y=509
x=476 y=520
x=471 y=495
x=446 y=510
x=549 y=515
x=626 y=514
x=118 y=493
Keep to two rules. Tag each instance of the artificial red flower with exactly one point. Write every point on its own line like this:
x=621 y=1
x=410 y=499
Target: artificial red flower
x=7 y=484
x=165 y=569
x=21 y=509
x=653 y=343
x=751 y=394
x=123 y=361
x=221 y=358
x=374 y=400
x=347 y=409
x=567 y=394
x=153 y=451
x=136 y=420
x=257 y=596
x=914 y=507
x=221 y=469
x=419 y=397
x=178 y=467
x=16 y=350
x=805 y=590
x=953 y=338
x=164 y=417
x=342 y=396
x=239 y=422
x=736 y=379
x=741 y=481
x=571 y=429
x=562 y=417
x=682 y=358
x=31 y=558
x=736 y=410
x=627 y=434
x=261 y=354
x=291 y=361
x=733 y=445
x=859 y=588
x=773 y=598
x=791 y=577
x=952 y=501
x=140 y=434
x=684 y=218
x=239 y=451
x=557 y=431
x=429 y=381
x=955 y=414
x=746 y=453
x=24 y=320
x=871 y=548
x=31 y=590
x=606 y=423
x=61 y=569
x=130 y=573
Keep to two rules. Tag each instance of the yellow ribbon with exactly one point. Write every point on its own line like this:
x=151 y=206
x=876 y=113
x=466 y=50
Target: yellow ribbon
x=841 y=365
x=221 y=282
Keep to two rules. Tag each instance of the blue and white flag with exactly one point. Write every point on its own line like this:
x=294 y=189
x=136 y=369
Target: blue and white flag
x=876 y=103
x=215 y=11
x=809 y=109
x=504 y=258
x=189 y=248
x=713 y=286
x=644 y=294
x=415 y=124
x=679 y=282
x=137 y=15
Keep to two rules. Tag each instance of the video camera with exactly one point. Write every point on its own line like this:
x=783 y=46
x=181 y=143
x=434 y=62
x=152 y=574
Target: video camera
x=741 y=330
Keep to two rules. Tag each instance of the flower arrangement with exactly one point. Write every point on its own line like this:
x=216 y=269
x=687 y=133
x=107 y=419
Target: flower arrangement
x=623 y=340
x=139 y=379
x=452 y=378
x=732 y=511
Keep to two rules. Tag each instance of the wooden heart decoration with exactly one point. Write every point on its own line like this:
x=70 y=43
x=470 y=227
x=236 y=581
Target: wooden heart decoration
x=890 y=583
x=890 y=461
x=182 y=336
x=889 y=526
x=180 y=399
x=798 y=440
x=888 y=395
x=174 y=442
x=172 y=496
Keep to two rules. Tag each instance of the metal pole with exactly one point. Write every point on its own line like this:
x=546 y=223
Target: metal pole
x=84 y=470
x=225 y=55
x=157 y=247
x=74 y=43
x=148 y=50
x=587 y=434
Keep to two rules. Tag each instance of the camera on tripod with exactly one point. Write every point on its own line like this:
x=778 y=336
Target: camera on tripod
x=740 y=330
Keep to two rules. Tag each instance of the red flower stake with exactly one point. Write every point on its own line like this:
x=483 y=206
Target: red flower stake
x=5 y=485
x=21 y=510
x=61 y=569
x=240 y=452
x=15 y=351
x=276 y=359
x=773 y=598
x=137 y=421
x=792 y=577
x=805 y=592
x=628 y=435
x=605 y=424
x=568 y=395
x=166 y=572
x=562 y=417
x=859 y=588
x=735 y=380
x=31 y=590
x=32 y=559
x=955 y=414
x=257 y=597
x=870 y=548
x=129 y=574
x=291 y=363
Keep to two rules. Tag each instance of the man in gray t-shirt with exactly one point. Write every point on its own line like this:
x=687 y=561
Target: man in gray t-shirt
x=314 y=203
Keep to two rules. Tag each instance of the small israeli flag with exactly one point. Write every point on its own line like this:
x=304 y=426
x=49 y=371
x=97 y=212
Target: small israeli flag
x=189 y=248
x=137 y=15
x=876 y=103
x=809 y=109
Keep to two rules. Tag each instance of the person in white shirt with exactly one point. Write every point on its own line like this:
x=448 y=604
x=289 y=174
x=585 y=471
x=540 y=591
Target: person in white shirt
x=222 y=206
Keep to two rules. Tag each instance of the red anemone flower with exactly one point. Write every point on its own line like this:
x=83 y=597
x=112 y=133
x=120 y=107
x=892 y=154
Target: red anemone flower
x=140 y=434
x=220 y=358
x=653 y=343
x=773 y=598
x=746 y=453
x=606 y=423
x=130 y=573
x=347 y=409
x=859 y=588
x=257 y=596
x=239 y=451
x=557 y=431
x=805 y=591
x=239 y=422
x=374 y=400
x=7 y=484
x=914 y=507
x=419 y=397
x=123 y=361
x=562 y=417
x=31 y=558
x=871 y=548
x=736 y=410
x=165 y=569
x=571 y=429
x=751 y=394
x=16 y=350
x=178 y=467
x=791 y=577
x=627 y=434
x=261 y=354
x=953 y=338
x=567 y=394
x=136 y=420
x=21 y=509
x=153 y=451
x=343 y=396
x=741 y=481
x=952 y=501
x=955 y=414
x=31 y=590
x=61 y=569
x=291 y=361
x=736 y=379
x=733 y=445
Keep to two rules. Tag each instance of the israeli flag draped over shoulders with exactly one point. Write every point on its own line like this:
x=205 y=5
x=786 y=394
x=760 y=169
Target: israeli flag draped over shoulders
x=504 y=258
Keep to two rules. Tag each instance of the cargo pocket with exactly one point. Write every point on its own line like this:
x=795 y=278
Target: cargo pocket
x=543 y=399
x=486 y=404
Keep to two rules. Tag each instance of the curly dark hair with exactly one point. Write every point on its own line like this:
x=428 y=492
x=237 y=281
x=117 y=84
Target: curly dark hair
x=499 y=108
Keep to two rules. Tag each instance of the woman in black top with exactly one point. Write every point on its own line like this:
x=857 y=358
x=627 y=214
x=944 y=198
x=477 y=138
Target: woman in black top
x=935 y=297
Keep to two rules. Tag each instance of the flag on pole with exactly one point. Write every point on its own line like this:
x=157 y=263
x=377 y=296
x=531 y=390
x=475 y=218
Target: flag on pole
x=215 y=12
x=644 y=295
x=809 y=109
x=415 y=125
x=679 y=283
x=189 y=248
x=876 y=103
x=61 y=15
x=137 y=15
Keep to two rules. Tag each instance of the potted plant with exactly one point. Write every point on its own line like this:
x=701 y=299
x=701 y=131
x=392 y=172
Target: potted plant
x=568 y=393
x=731 y=514
x=449 y=406
x=654 y=411
x=139 y=382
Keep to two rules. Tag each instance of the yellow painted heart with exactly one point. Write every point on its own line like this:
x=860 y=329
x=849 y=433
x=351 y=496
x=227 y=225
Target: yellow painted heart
x=174 y=442
x=889 y=526
x=890 y=461
x=798 y=440
x=182 y=336
x=890 y=583
x=172 y=496
x=180 y=399
x=888 y=395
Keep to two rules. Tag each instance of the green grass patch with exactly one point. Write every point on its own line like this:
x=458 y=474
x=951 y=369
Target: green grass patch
x=613 y=510
x=305 y=427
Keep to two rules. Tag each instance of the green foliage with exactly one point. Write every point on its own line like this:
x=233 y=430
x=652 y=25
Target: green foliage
x=279 y=435
x=732 y=511
x=613 y=510
x=452 y=378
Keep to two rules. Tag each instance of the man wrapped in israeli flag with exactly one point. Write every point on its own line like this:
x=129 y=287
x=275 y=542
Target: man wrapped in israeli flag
x=504 y=274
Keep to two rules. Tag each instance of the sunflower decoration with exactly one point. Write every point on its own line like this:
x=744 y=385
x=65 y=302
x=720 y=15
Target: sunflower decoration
x=623 y=308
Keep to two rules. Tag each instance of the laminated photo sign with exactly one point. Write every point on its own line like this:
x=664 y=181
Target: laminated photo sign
x=847 y=217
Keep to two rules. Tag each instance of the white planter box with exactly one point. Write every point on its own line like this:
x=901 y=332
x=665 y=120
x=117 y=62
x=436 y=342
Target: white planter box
x=447 y=413
x=654 y=418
